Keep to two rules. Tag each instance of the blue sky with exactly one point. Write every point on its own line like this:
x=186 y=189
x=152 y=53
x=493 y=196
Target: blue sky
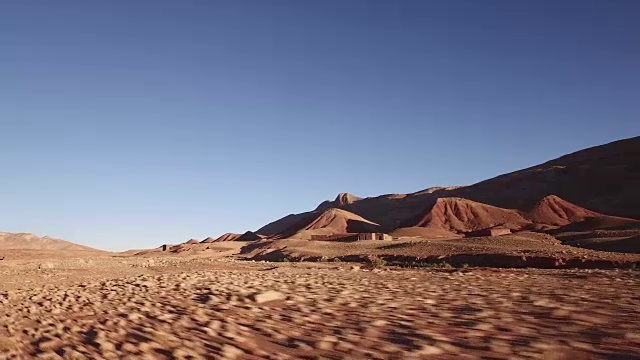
x=128 y=124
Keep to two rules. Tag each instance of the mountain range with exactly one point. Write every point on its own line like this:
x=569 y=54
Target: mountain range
x=594 y=188
x=28 y=241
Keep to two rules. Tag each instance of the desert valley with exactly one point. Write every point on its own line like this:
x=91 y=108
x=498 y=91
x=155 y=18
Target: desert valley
x=540 y=263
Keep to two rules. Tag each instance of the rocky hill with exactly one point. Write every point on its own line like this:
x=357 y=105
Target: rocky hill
x=578 y=188
x=27 y=241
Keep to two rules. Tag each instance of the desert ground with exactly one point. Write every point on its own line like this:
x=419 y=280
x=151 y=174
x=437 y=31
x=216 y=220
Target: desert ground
x=541 y=263
x=210 y=304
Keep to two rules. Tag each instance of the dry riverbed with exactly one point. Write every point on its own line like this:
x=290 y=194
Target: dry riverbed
x=168 y=308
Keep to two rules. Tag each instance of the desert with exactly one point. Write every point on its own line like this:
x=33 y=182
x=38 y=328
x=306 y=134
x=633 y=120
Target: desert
x=186 y=307
x=320 y=179
x=426 y=275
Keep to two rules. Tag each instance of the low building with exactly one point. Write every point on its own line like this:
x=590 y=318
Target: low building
x=352 y=237
x=331 y=237
x=494 y=231
x=374 y=236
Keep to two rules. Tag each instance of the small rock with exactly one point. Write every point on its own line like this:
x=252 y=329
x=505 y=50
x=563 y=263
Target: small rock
x=484 y=326
x=73 y=355
x=633 y=337
x=179 y=354
x=129 y=347
x=378 y=323
x=302 y=345
x=344 y=346
x=323 y=345
x=49 y=355
x=560 y=313
x=231 y=352
x=133 y=316
x=50 y=344
x=7 y=344
x=580 y=345
x=106 y=346
x=429 y=350
x=266 y=296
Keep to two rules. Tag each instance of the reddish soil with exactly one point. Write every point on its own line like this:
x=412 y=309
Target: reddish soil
x=601 y=223
x=552 y=210
x=249 y=236
x=461 y=216
x=627 y=241
x=423 y=232
x=525 y=249
x=335 y=221
x=456 y=217
x=282 y=226
x=227 y=237
x=183 y=307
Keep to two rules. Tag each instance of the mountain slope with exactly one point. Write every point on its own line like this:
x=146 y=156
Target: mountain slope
x=601 y=222
x=341 y=200
x=282 y=226
x=27 y=241
x=457 y=215
x=248 y=236
x=334 y=221
x=461 y=216
x=554 y=211
x=224 y=237
x=602 y=179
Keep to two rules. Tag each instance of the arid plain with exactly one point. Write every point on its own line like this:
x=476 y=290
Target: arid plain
x=526 y=265
x=193 y=307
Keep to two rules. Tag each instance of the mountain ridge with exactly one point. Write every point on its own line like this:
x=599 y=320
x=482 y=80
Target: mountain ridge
x=29 y=241
x=592 y=182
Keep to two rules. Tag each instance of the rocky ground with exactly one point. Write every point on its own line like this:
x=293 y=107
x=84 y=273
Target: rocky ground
x=520 y=250
x=181 y=308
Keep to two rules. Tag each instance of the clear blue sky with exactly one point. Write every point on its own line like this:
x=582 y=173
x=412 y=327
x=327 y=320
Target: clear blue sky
x=128 y=124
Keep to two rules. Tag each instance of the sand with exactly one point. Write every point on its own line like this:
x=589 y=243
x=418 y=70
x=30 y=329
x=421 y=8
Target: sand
x=177 y=307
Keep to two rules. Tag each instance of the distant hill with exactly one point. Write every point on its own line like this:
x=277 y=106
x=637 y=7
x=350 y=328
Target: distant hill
x=554 y=211
x=334 y=221
x=461 y=216
x=225 y=237
x=247 y=236
x=27 y=241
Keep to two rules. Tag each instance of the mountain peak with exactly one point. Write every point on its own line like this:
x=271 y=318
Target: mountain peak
x=552 y=210
x=34 y=242
x=341 y=200
x=463 y=215
x=346 y=198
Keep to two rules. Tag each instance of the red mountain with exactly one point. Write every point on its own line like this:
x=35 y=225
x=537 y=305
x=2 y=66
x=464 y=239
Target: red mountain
x=462 y=215
x=602 y=179
x=551 y=210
